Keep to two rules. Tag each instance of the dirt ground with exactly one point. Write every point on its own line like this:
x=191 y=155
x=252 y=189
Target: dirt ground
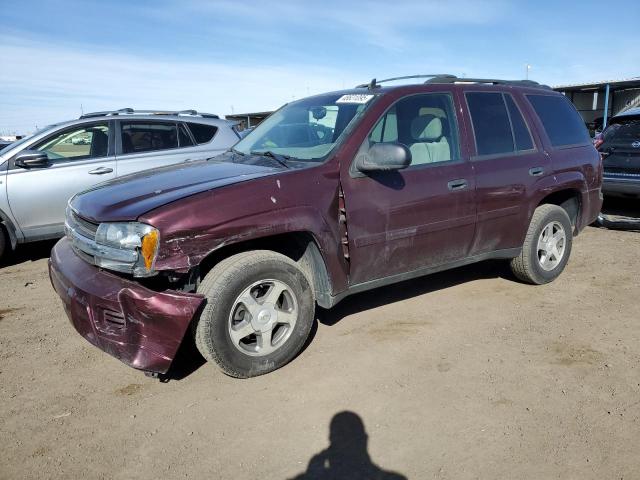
x=462 y=375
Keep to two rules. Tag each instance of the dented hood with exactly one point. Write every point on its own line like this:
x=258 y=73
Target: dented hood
x=128 y=197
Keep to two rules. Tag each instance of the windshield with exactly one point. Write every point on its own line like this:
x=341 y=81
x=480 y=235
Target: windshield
x=307 y=129
x=13 y=145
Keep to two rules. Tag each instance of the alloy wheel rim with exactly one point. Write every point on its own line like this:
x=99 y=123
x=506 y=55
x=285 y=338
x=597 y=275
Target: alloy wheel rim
x=552 y=244
x=263 y=317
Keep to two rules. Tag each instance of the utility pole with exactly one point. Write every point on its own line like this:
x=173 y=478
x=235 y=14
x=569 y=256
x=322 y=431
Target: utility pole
x=528 y=67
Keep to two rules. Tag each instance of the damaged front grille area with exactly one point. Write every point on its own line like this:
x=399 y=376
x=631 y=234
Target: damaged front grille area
x=76 y=226
x=82 y=226
x=82 y=236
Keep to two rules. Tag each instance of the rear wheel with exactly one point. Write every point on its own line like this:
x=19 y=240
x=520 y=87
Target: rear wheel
x=546 y=248
x=259 y=311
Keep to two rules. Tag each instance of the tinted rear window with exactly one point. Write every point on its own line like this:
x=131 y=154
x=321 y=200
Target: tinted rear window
x=520 y=131
x=561 y=121
x=138 y=137
x=490 y=123
x=202 y=133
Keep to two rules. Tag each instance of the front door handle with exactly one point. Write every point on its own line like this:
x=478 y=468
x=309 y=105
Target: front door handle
x=100 y=171
x=536 y=171
x=459 y=184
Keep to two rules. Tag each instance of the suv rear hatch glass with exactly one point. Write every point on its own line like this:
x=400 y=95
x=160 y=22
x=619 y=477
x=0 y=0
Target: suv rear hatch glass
x=621 y=146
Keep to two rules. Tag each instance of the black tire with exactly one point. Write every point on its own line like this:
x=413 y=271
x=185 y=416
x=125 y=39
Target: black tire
x=222 y=286
x=526 y=267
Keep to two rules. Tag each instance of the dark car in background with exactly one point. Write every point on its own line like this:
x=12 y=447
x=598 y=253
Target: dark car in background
x=619 y=146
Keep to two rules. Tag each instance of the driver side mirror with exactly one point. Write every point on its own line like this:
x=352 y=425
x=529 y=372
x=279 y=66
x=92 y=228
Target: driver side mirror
x=31 y=159
x=384 y=157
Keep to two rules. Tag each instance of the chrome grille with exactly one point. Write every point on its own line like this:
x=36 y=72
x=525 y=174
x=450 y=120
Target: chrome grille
x=85 y=256
x=82 y=226
x=82 y=236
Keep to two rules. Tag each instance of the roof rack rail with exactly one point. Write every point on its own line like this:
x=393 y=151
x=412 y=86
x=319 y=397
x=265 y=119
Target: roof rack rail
x=376 y=83
x=492 y=81
x=448 y=78
x=131 y=111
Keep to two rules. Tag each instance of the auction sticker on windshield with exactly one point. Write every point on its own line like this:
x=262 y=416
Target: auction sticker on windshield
x=355 y=98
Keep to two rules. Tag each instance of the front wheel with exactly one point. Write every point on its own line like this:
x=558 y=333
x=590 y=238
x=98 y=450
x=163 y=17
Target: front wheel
x=259 y=312
x=546 y=247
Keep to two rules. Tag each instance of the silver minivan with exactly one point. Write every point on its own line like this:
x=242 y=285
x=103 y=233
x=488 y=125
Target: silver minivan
x=39 y=174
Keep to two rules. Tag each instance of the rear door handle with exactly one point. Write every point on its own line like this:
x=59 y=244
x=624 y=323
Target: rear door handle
x=100 y=171
x=459 y=184
x=536 y=171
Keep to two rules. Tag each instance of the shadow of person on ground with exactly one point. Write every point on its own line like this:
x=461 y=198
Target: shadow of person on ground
x=347 y=456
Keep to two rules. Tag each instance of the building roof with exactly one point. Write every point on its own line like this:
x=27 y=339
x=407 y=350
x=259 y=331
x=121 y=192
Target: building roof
x=619 y=84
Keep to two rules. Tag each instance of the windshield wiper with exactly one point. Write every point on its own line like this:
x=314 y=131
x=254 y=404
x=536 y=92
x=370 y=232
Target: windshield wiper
x=231 y=150
x=281 y=159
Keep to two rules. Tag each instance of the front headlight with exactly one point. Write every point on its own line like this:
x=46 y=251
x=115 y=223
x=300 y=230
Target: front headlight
x=128 y=237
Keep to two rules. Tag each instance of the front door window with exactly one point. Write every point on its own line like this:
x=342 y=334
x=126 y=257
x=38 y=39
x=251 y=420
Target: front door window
x=78 y=143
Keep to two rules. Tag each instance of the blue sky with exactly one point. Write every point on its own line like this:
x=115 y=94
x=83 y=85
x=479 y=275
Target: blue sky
x=235 y=56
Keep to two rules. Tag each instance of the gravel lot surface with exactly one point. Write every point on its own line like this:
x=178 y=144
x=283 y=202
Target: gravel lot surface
x=464 y=374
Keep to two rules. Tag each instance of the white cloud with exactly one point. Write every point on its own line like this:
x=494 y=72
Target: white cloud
x=236 y=49
x=376 y=22
x=48 y=83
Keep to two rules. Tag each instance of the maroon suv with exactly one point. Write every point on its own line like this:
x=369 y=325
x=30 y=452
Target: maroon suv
x=331 y=195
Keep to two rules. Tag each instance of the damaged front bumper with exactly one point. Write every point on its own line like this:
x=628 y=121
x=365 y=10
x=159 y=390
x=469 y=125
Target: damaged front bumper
x=141 y=327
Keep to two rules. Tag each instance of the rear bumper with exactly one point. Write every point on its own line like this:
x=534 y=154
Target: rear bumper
x=621 y=186
x=141 y=327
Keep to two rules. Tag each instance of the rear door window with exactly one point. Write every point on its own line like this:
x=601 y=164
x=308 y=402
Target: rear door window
x=498 y=124
x=491 y=124
x=139 y=137
x=521 y=134
x=560 y=119
x=202 y=133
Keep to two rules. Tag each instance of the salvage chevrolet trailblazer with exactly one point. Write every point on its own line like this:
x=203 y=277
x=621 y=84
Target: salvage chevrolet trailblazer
x=331 y=195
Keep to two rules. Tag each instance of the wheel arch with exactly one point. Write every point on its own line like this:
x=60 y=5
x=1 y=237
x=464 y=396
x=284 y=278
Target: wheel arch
x=569 y=199
x=301 y=246
x=7 y=225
